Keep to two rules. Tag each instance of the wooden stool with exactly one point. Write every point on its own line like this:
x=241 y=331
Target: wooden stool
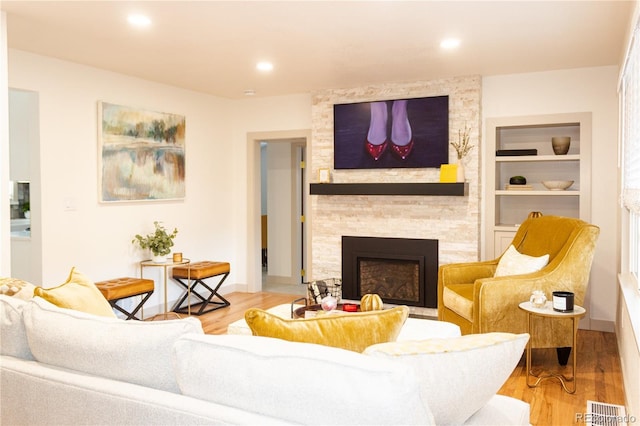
x=123 y=288
x=195 y=273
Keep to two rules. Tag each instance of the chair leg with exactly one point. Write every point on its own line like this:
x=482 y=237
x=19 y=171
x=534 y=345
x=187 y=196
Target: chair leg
x=563 y=355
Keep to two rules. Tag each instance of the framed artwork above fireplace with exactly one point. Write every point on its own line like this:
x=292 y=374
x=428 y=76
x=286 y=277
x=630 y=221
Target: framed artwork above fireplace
x=396 y=133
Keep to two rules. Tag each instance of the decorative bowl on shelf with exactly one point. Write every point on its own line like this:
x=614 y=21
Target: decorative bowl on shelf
x=557 y=185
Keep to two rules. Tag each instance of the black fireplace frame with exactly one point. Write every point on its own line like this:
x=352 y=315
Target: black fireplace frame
x=423 y=251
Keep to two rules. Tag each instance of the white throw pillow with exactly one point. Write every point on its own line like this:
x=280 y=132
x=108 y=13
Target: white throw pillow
x=298 y=382
x=13 y=337
x=459 y=375
x=137 y=352
x=513 y=262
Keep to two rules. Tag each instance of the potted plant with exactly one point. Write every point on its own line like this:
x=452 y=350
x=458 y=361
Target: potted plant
x=26 y=209
x=159 y=242
x=462 y=147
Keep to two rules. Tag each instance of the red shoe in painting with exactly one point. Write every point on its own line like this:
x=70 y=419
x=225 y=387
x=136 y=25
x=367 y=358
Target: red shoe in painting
x=403 y=151
x=376 y=151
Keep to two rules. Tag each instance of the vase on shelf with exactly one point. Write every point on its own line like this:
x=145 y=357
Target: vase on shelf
x=460 y=172
x=158 y=259
x=560 y=144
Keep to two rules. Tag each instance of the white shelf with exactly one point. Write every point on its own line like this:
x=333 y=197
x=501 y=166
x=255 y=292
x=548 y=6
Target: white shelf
x=533 y=158
x=546 y=192
x=506 y=209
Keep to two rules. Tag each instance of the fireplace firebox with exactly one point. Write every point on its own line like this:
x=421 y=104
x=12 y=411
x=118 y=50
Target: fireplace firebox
x=402 y=271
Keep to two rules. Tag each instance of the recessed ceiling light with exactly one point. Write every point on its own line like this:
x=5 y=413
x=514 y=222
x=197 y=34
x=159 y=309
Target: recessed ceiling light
x=450 y=43
x=140 y=21
x=264 y=66
x=249 y=92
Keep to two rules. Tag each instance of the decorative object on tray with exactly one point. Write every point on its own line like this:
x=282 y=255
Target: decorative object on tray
x=515 y=152
x=371 y=302
x=560 y=144
x=557 y=185
x=159 y=242
x=319 y=289
x=329 y=303
x=462 y=147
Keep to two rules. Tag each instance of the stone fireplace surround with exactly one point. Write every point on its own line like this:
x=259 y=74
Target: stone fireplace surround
x=452 y=220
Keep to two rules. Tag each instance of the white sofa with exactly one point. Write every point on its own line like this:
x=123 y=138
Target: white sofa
x=60 y=366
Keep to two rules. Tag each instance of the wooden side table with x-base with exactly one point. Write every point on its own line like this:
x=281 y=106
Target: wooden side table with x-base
x=548 y=311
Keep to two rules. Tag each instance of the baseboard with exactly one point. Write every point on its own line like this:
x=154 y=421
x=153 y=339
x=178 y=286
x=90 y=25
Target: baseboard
x=279 y=280
x=602 y=325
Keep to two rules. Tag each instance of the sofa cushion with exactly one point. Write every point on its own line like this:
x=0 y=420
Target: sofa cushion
x=138 y=352
x=16 y=288
x=78 y=293
x=458 y=375
x=513 y=262
x=13 y=337
x=352 y=331
x=298 y=382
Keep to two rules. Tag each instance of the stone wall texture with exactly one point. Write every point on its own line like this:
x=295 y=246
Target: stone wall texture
x=454 y=221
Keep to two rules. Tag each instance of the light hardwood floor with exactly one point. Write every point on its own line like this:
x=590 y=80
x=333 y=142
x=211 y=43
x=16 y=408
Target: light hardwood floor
x=598 y=372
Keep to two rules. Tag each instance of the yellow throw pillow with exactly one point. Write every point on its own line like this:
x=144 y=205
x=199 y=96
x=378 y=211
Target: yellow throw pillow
x=77 y=293
x=351 y=331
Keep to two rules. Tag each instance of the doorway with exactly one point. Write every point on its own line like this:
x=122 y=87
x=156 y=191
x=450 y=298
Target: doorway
x=24 y=180
x=282 y=209
x=277 y=189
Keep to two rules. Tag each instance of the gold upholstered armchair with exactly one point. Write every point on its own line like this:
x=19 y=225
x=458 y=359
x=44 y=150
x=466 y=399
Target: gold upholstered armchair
x=470 y=296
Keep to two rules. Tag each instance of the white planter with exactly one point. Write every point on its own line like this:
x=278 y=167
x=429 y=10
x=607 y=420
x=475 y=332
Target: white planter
x=460 y=172
x=159 y=259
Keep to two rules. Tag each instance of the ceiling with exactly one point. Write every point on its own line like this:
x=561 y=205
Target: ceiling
x=213 y=46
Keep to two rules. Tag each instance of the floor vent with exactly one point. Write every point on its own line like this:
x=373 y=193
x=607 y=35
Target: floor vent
x=601 y=414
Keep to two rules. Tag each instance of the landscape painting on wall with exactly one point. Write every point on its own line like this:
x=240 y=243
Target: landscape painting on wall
x=141 y=154
x=400 y=133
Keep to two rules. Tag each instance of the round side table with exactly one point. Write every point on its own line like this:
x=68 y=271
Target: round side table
x=168 y=264
x=547 y=311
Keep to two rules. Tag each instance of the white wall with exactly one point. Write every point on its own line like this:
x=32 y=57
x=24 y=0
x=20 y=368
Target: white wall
x=5 y=241
x=576 y=90
x=96 y=237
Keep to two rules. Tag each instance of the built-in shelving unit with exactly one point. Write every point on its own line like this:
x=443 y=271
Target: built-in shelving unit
x=435 y=188
x=507 y=208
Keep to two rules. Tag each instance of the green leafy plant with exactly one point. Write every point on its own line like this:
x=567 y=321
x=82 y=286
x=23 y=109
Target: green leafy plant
x=25 y=207
x=159 y=242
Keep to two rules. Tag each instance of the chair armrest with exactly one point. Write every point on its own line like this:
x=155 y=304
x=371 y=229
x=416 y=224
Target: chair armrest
x=496 y=299
x=462 y=273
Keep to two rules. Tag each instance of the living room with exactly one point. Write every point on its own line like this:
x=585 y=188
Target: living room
x=218 y=219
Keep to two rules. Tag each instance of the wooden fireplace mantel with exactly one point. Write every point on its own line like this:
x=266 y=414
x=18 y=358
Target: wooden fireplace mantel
x=429 y=188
